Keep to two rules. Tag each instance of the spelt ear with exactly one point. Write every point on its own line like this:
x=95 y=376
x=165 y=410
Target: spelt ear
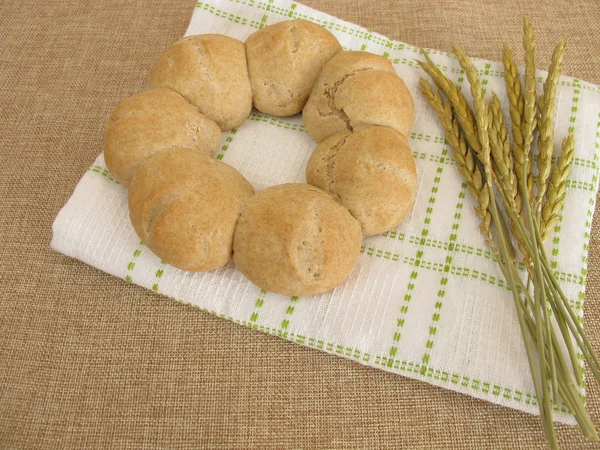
x=545 y=141
x=556 y=187
x=529 y=97
x=481 y=109
x=464 y=158
x=459 y=103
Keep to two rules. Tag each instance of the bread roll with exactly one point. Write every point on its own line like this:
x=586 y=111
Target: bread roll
x=210 y=71
x=372 y=171
x=295 y=239
x=356 y=89
x=150 y=122
x=284 y=61
x=184 y=205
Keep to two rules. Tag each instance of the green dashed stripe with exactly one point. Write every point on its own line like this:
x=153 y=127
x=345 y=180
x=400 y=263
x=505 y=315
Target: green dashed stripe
x=228 y=141
x=469 y=250
x=131 y=264
x=447 y=245
x=435 y=318
x=104 y=172
x=231 y=17
x=158 y=275
x=439 y=267
x=285 y=323
x=573 y=82
x=437 y=159
x=464 y=381
x=257 y=306
x=484 y=75
x=588 y=224
x=582 y=185
x=277 y=122
x=404 y=308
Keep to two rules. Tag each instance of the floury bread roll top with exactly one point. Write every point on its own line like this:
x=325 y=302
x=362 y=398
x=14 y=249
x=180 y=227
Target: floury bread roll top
x=372 y=172
x=284 y=61
x=185 y=205
x=211 y=72
x=356 y=89
x=295 y=239
x=150 y=122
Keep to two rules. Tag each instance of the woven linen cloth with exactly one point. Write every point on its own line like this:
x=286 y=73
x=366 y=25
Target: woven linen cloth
x=425 y=300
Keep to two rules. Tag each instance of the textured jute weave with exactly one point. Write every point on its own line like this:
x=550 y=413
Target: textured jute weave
x=89 y=361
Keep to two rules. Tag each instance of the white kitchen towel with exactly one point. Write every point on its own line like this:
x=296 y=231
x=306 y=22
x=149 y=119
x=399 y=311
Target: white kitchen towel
x=425 y=300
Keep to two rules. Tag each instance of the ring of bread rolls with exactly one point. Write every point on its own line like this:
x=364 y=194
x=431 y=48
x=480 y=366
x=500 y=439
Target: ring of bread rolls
x=197 y=213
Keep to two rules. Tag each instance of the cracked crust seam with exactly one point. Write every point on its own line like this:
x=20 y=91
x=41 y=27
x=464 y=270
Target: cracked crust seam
x=330 y=163
x=330 y=93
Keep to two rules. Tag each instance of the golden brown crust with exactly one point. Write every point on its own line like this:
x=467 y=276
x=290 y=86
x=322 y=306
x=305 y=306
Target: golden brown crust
x=356 y=89
x=150 y=122
x=284 y=61
x=295 y=239
x=184 y=205
x=373 y=173
x=210 y=71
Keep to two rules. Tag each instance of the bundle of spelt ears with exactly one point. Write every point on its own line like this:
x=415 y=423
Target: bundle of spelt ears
x=499 y=171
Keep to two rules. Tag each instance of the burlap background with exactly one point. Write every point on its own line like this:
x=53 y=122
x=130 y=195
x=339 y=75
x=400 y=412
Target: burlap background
x=87 y=360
